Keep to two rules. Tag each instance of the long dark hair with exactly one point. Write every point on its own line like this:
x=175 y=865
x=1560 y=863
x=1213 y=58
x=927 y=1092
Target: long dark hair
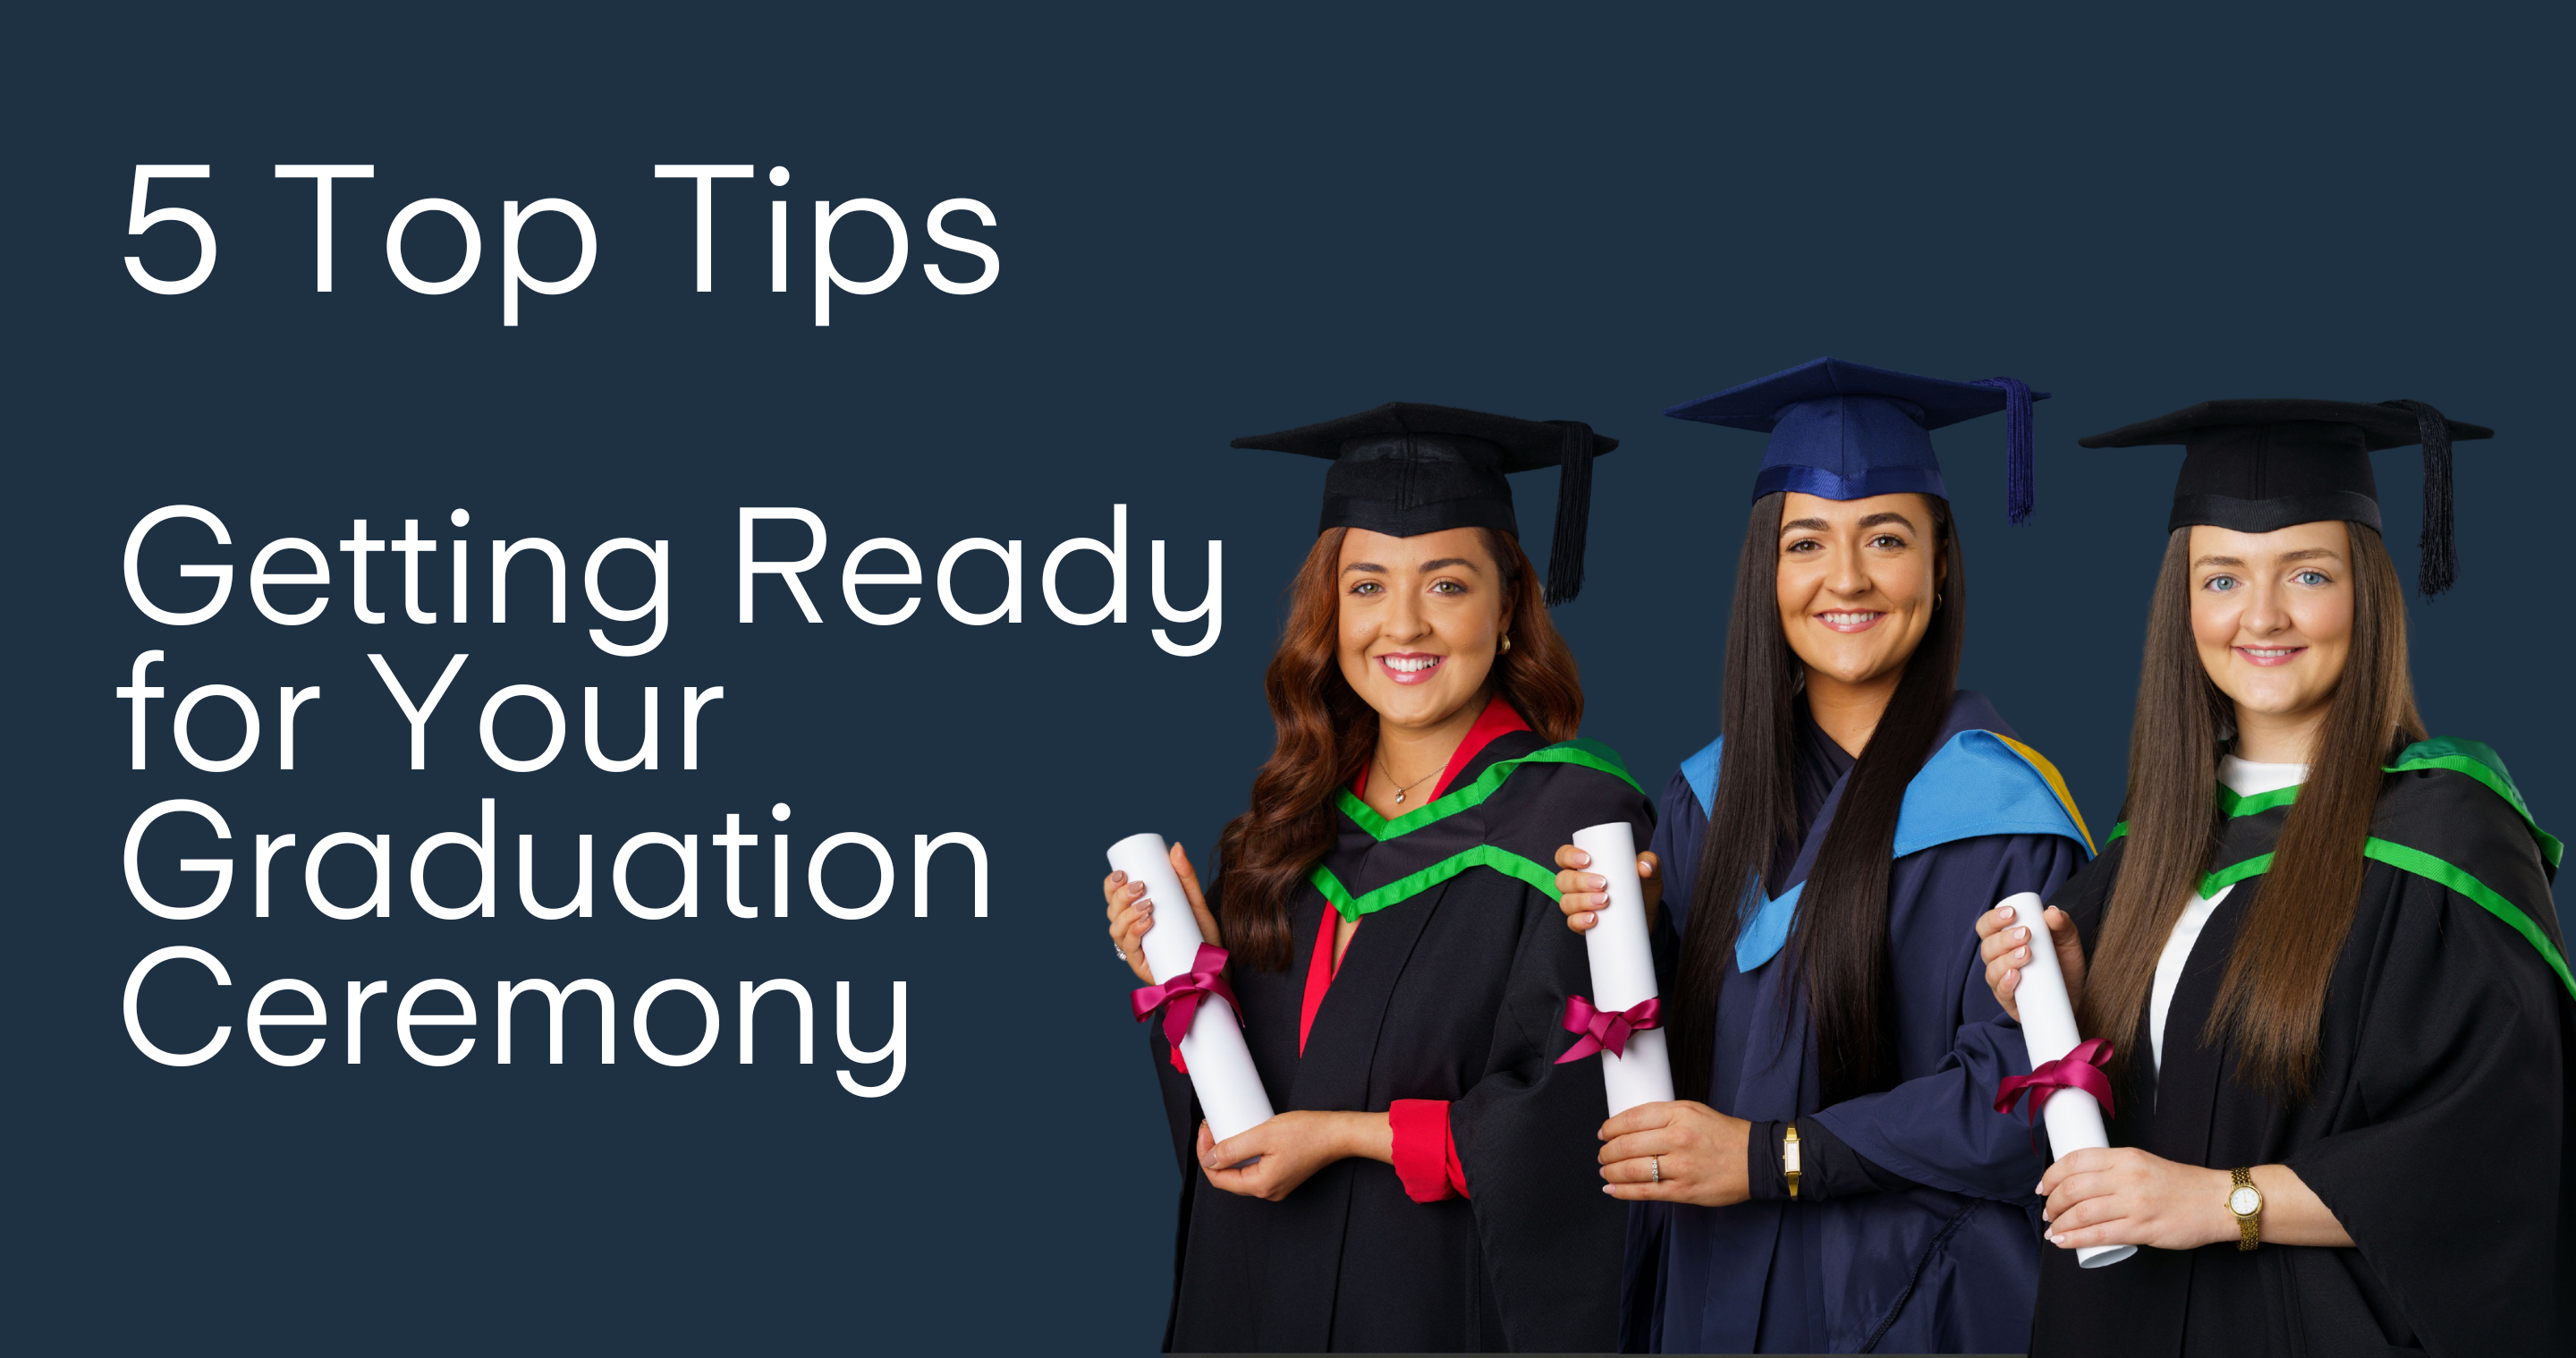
x=1840 y=939
x=1327 y=732
x=2271 y=1003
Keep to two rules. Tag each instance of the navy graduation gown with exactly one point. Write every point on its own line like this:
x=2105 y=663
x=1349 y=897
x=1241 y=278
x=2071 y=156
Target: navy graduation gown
x=1947 y=1258
x=1452 y=989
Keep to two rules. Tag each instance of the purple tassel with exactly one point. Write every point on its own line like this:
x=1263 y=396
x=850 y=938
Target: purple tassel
x=2021 y=492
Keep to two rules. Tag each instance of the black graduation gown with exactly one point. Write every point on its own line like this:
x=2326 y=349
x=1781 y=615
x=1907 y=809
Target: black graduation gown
x=1453 y=991
x=2436 y=1131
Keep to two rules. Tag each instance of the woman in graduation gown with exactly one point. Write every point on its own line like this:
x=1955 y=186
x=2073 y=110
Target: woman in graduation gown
x=2322 y=947
x=1836 y=1177
x=1396 y=947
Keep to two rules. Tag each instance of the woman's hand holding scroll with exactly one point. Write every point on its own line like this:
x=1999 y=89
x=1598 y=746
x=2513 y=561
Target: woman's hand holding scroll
x=1131 y=915
x=1583 y=894
x=1676 y=1152
x=2005 y=946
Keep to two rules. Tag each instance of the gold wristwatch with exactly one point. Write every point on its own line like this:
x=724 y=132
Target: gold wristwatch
x=2245 y=1203
x=1789 y=1156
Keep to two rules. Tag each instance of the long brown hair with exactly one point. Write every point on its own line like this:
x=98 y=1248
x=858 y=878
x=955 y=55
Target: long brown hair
x=1840 y=935
x=1326 y=734
x=2271 y=1002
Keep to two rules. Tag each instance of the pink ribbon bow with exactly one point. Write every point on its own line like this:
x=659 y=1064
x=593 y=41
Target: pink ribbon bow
x=1179 y=998
x=1602 y=1028
x=2078 y=1069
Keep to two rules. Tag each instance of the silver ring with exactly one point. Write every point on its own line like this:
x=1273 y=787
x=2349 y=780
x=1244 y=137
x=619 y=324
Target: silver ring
x=1122 y=952
x=1656 y=1163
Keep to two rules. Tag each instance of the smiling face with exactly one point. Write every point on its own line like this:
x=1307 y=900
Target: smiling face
x=1858 y=580
x=2271 y=615
x=1421 y=618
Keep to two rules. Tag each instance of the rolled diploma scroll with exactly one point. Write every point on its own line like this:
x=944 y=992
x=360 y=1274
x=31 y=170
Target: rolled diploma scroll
x=1623 y=969
x=1221 y=1069
x=2048 y=1029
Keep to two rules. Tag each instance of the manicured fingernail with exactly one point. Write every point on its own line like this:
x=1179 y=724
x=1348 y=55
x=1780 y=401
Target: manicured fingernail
x=2021 y=935
x=2004 y=911
x=1605 y=1188
x=2021 y=954
x=2055 y=1239
x=1588 y=919
x=1582 y=859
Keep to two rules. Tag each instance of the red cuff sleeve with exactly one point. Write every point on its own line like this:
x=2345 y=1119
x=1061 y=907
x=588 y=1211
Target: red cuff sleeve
x=1426 y=1156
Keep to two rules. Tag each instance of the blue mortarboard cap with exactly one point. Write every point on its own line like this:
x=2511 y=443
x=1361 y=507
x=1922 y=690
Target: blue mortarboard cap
x=1844 y=431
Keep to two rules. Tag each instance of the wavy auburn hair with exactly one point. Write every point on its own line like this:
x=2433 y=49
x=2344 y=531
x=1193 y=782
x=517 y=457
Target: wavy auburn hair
x=2271 y=1002
x=1327 y=733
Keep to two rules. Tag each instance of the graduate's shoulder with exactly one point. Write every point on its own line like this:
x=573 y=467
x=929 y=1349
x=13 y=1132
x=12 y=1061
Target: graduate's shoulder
x=1580 y=782
x=2450 y=815
x=2458 y=792
x=1681 y=803
x=1982 y=780
x=2449 y=811
x=1698 y=774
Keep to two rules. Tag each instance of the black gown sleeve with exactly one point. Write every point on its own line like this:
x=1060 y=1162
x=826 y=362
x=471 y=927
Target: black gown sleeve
x=2445 y=1164
x=1527 y=1131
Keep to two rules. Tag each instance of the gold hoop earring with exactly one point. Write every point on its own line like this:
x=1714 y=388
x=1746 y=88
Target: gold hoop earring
x=1507 y=645
x=1936 y=601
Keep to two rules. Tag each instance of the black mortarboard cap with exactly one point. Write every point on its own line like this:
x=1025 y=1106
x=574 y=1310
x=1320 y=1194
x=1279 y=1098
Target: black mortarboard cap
x=2258 y=466
x=1404 y=470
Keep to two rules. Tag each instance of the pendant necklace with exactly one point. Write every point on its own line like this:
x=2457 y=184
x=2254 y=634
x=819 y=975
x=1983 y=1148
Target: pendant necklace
x=1408 y=787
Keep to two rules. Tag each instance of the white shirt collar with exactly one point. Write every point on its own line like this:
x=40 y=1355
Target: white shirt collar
x=2246 y=779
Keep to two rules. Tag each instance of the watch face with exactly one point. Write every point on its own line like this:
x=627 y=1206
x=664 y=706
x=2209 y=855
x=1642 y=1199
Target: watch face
x=2244 y=1202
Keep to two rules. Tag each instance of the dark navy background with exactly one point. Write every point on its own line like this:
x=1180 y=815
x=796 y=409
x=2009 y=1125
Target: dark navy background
x=1210 y=223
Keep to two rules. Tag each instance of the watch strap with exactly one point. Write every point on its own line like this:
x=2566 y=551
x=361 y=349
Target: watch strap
x=1789 y=1156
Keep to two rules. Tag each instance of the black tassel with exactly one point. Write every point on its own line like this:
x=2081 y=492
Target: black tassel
x=2441 y=555
x=1573 y=514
